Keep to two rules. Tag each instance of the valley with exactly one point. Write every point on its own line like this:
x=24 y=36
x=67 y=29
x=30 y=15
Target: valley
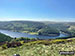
x=36 y=38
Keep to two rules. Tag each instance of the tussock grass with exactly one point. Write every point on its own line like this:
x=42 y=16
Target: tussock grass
x=38 y=48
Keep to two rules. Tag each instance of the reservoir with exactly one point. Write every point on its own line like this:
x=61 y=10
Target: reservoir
x=18 y=34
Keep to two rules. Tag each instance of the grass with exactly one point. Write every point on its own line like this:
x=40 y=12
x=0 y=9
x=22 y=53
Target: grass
x=33 y=33
x=25 y=31
x=38 y=48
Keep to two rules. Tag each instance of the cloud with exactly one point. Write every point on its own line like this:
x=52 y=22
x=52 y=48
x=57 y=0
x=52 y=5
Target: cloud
x=39 y=19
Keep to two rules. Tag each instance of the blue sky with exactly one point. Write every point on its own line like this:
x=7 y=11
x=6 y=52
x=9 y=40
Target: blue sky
x=37 y=10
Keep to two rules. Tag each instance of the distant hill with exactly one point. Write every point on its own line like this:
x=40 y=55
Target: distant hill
x=67 y=27
x=23 y=26
x=34 y=26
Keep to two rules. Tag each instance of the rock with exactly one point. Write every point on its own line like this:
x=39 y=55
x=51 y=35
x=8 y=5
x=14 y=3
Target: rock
x=16 y=55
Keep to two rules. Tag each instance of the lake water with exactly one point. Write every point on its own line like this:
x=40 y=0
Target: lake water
x=18 y=34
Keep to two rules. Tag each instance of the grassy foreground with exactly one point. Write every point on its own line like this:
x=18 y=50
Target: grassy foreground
x=41 y=48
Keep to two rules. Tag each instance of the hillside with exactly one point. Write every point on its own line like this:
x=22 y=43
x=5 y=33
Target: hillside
x=48 y=31
x=4 y=38
x=66 y=27
x=21 y=25
x=33 y=27
x=41 y=48
x=27 y=27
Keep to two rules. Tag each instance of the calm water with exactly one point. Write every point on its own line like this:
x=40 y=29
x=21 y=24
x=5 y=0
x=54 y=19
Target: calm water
x=18 y=34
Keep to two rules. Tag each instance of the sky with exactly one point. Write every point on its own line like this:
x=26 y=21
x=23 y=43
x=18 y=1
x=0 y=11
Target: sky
x=37 y=10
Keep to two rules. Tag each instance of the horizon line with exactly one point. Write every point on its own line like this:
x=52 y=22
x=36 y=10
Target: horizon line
x=34 y=21
x=37 y=19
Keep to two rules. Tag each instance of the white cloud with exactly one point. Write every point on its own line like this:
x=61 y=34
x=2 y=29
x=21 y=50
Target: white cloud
x=39 y=19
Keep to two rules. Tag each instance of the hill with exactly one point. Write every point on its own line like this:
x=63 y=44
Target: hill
x=4 y=38
x=41 y=48
x=21 y=25
x=26 y=27
x=66 y=27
